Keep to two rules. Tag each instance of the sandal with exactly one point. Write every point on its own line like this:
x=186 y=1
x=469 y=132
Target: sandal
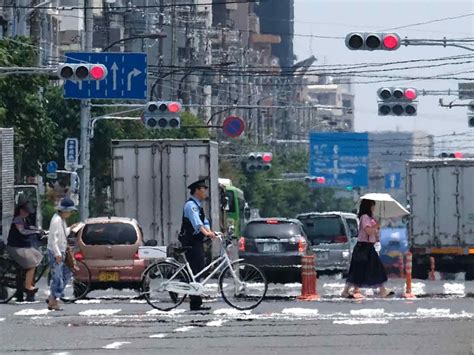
x=389 y=294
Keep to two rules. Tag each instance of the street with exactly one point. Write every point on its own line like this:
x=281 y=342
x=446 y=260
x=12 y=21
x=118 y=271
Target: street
x=439 y=321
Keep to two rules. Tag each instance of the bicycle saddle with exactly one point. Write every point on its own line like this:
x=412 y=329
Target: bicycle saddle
x=182 y=250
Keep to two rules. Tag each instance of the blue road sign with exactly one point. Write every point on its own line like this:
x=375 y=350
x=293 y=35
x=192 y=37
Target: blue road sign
x=393 y=181
x=52 y=167
x=126 y=76
x=341 y=158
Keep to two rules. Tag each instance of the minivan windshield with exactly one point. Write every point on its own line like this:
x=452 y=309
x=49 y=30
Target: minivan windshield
x=323 y=229
x=277 y=230
x=109 y=234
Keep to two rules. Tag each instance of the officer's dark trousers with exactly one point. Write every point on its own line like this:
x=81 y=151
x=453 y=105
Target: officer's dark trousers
x=195 y=257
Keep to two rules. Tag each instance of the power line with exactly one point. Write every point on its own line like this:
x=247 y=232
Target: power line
x=430 y=21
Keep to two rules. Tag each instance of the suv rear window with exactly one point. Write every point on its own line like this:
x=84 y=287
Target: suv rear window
x=277 y=230
x=353 y=227
x=323 y=229
x=109 y=234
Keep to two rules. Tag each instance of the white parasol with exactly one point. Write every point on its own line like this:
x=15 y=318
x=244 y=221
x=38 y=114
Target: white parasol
x=386 y=206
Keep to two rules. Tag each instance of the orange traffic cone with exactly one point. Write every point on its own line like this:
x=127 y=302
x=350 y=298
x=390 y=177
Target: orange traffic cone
x=308 y=279
x=408 y=293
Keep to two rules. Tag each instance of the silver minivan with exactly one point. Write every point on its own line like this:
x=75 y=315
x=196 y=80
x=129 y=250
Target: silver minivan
x=331 y=239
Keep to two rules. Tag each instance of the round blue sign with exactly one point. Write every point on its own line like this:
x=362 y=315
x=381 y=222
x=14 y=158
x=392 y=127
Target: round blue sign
x=233 y=126
x=52 y=167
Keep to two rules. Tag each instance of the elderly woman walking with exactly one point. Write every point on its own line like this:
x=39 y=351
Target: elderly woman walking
x=57 y=244
x=366 y=269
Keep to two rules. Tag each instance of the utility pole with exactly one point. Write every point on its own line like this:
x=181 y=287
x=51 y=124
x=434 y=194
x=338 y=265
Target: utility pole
x=85 y=118
x=174 y=48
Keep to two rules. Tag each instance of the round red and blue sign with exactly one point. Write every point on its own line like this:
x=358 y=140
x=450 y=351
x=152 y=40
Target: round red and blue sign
x=233 y=126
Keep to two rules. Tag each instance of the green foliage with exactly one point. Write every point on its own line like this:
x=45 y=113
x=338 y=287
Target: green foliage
x=22 y=107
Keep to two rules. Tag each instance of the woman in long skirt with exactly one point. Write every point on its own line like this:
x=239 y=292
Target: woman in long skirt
x=366 y=269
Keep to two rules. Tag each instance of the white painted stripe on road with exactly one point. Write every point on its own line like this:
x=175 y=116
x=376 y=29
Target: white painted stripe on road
x=433 y=312
x=454 y=288
x=216 y=323
x=2 y=319
x=87 y=301
x=99 y=312
x=300 y=311
x=63 y=353
x=137 y=301
x=116 y=345
x=32 y=312
x=230 y=312
x=183 y=329
x=368 y=312
x=361 y=321
x=160 y=336
x=173 y=312
x=418 y=288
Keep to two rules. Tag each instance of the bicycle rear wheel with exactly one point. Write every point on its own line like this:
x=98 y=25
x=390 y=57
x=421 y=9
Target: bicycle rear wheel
x=154 y=281
x=243 y=286
x=79 y=284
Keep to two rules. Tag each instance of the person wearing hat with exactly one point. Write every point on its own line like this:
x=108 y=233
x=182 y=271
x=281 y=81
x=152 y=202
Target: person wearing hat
x=195 y=228
x=20 y=247
x=57 y=244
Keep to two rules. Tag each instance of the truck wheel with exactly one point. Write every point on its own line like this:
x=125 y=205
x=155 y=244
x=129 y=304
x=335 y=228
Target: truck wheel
x=420 y=271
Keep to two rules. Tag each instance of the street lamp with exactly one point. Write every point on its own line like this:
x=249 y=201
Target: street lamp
x=146 y=35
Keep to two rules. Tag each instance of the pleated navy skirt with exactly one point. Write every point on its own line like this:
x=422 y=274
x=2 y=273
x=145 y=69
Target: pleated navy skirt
x=366 y=269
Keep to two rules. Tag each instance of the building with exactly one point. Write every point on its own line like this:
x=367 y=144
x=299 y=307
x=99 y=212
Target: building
x=388 y=153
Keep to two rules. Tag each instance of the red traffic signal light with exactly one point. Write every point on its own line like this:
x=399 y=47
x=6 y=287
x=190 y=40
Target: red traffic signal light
x=372 y=41
x=411 y=94
x=98 y=72
x=267 y=157
x=174 y=107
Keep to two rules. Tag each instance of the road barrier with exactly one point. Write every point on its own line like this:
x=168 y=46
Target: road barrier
x=308 y=279
x=432 y=268
x=401 y=266
x=408 y=269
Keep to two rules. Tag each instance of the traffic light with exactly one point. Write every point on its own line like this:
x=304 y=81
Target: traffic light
x=259 y=161
x=397 y=101
x=162 y=115
x=313 y=180
x=81 y=72
x=470 y=114
x=368 y=41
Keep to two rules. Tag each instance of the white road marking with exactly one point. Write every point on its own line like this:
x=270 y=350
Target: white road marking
x=137 y=301
x=160 y=336
x=170 y=313
x=2 y=319
x=116 y=345
x=99 y=312
x=361 y=321
x=32 y=312
x=230 y=312
x=433 y=312
x=300 y=312
x=216 y=323
x=368 y=312
x=454 y=288
x=87 y=301
x=184 y=329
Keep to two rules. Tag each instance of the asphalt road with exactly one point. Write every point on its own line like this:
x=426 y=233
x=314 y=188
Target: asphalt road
x=439 y=321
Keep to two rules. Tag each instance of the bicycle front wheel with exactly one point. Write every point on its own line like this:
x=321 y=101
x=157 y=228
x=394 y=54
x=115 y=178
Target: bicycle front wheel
x=154 y=282
x=243 y=286
x=8 y=280
x=79 y=284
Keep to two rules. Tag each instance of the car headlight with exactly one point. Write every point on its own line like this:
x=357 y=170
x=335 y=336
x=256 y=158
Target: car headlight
x=345 y=254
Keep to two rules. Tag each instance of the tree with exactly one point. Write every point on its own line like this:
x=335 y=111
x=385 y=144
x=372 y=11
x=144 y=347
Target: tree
x=22 y=107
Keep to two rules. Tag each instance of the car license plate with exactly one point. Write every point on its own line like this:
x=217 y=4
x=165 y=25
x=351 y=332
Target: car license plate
x=271 y=247
x=323 y=255
x=109 y=276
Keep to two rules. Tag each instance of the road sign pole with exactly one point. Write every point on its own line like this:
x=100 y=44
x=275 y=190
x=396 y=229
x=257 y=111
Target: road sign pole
x=85 y=118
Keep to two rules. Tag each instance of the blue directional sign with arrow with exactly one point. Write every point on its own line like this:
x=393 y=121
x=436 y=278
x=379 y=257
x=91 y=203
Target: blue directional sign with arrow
x=126 y=76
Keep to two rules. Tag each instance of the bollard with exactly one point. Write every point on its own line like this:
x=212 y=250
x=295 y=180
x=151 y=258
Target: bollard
x=408 y=293
x=308 y=279
x=432 y=268
x=401 y=266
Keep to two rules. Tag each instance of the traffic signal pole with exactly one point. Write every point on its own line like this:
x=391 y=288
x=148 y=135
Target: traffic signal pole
x=85 y=118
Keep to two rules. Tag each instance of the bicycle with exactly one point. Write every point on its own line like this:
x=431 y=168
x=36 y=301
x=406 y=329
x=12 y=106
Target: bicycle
x=12 y=277
x=166 y=283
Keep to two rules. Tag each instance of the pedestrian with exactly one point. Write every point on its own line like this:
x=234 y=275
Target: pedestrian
x=366 y=269
x=57 y=245
x=195 y=229
x=20 y=247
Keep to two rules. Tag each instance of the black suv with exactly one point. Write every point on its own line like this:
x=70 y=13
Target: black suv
x=275 y=245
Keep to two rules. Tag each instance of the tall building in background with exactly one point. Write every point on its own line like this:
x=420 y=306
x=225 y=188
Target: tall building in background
x=277 y=17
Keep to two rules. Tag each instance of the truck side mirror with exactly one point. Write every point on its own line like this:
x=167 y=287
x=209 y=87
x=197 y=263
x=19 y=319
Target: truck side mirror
x=247 y=213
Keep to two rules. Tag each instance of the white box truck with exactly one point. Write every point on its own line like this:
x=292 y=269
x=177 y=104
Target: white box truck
x=150 y=179
x=441 y=224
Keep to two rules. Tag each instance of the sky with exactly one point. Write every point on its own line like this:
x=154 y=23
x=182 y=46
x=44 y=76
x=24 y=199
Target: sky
x=337 y=18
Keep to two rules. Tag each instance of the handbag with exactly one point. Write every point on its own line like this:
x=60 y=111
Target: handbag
x=69 y=259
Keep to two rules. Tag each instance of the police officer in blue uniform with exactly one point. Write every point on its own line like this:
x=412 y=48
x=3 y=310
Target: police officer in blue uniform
x=195 y=229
